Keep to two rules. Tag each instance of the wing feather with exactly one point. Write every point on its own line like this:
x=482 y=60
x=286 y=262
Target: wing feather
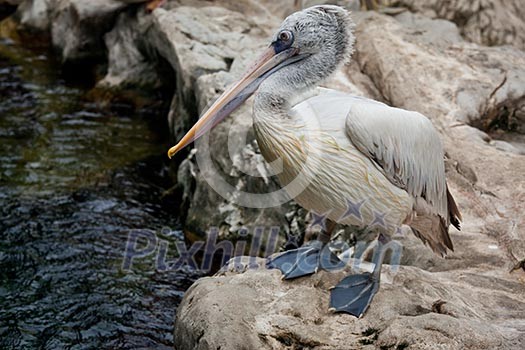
x=408 y=150
x=406 y=145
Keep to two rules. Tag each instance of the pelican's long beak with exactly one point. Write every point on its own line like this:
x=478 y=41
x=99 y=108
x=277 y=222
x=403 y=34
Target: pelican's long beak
x=234 y=96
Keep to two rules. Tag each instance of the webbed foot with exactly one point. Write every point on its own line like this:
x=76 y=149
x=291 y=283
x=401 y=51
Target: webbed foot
x=305 y=260
x=354 y=293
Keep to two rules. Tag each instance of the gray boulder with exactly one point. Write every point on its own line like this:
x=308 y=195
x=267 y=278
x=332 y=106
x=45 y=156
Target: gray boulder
x=414 y=309
x=487 y=22
x=132 y=62
x=78 y=26
x=35 y=14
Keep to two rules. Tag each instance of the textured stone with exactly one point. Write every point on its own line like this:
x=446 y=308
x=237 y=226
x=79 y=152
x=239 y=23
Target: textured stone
x=78 y=27
x=131 y=62
x=487 y=22
x=203 y=45
x=36 y=14
x=414 y=309
x=465 y=82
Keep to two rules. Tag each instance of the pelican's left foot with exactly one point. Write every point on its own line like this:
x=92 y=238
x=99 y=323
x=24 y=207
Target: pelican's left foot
x=305 y=260
x=354 y=293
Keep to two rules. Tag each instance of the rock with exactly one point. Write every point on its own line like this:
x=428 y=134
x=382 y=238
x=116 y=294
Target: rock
x=36 y=14
x=202 y=45
x=416 y=310
x=432 y=63
x=505 y=146
x=197 y=42
x=130 y=60
x=487 y=22
x=78 y=27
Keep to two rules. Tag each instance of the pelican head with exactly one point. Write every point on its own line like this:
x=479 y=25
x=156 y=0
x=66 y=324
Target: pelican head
x=307 y=48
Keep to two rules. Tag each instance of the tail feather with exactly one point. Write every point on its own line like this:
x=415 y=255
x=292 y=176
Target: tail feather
x=453 y=211
x=433 y=230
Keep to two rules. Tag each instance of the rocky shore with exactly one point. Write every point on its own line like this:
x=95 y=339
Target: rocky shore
x=461 y=63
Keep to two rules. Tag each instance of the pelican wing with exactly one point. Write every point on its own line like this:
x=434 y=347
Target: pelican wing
x=408 y=150
x=405 y=145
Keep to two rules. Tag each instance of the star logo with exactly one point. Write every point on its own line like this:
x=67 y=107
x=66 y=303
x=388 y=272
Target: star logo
x=292 y=241
x=379 y=219
x=353 y=209
x=319 y=220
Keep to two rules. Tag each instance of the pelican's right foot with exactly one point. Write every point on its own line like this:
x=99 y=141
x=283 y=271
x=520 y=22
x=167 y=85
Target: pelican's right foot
x=354 y=293
x=305 y=260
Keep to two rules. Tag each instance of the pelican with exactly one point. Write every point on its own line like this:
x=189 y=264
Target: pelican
x=360 y=162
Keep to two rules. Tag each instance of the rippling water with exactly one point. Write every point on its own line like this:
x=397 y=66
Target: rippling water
x=75 y=178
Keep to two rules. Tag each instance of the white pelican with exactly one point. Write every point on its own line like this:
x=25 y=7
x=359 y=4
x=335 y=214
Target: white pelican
x=361 y=162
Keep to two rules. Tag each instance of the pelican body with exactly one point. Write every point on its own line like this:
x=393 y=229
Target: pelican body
x=354 y=160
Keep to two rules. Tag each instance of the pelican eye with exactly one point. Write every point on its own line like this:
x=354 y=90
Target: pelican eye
x=284 y=41
x=286 y=36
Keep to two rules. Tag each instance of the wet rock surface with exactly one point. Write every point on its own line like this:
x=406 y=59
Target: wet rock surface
x=442 y=59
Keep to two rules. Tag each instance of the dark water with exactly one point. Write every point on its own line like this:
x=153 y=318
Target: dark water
x=75 y=178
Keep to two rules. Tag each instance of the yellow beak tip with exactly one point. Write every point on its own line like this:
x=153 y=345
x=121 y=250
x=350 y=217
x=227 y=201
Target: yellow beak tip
x=172 y=151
